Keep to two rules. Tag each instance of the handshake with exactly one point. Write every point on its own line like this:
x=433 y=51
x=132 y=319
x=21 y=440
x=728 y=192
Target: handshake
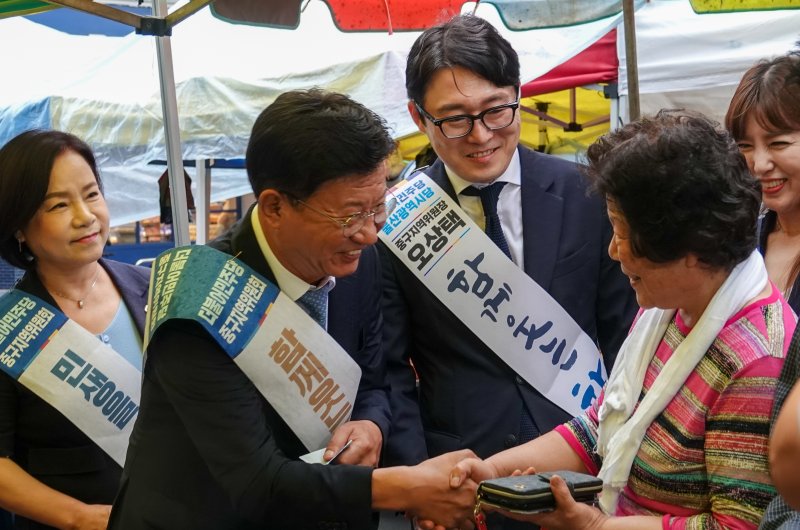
x=449 y=492
x=439 y=492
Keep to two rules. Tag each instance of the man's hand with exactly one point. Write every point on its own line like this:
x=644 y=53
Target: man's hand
x=365 y=449
x=469 y=471
x=436 y=498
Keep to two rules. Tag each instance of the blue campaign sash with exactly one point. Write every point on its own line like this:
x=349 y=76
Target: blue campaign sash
x=503 y=306
x=93 y=386
x=301 y=370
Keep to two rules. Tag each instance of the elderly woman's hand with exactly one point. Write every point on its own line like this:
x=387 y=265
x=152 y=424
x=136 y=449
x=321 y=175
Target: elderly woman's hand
x=471 y=468
x=568 y=514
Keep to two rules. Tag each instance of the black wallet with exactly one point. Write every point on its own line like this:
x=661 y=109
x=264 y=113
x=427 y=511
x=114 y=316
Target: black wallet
x=531 y=493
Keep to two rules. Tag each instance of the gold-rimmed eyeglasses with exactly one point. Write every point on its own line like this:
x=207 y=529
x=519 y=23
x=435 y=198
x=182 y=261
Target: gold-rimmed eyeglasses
x=353 y=223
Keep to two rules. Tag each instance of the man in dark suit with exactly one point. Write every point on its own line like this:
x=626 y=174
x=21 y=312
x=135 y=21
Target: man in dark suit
x=208 y=451
x=463 y=83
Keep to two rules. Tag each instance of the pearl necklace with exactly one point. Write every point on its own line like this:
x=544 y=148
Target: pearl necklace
x=80 y=301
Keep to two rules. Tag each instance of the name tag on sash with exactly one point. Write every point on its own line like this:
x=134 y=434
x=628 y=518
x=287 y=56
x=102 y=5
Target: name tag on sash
x=502 y=305
x=301 y=370
x=85 y=380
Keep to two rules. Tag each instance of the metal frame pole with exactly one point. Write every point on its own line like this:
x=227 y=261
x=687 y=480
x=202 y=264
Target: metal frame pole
x=169 y=108
x=629 y=23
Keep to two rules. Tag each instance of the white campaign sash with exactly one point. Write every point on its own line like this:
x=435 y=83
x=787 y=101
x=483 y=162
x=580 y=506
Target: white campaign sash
x=493 y=297
x=93 y=386
x=301 y=370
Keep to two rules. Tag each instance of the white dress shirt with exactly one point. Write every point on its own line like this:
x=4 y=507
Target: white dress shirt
x=509 y=205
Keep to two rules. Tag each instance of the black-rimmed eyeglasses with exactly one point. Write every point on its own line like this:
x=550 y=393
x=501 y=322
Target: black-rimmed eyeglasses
x=493 y=118
x=352 y=224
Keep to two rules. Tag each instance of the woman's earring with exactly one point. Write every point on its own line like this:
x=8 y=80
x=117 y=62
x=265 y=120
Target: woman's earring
x=19 y=242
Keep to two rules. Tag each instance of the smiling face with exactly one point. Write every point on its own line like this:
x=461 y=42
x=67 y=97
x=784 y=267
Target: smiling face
x=773 y=157
x=659 y=285
x=312 y=246
x=70 y=228
x=482 y=155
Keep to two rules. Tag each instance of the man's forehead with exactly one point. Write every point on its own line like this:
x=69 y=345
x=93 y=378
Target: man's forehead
x=452 y=86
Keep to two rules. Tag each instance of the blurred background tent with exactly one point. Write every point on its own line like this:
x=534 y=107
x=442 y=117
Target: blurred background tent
x=696 y=61
x=106 y=90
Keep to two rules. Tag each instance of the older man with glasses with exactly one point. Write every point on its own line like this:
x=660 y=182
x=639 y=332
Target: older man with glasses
x=463 y=83
x=214 y=446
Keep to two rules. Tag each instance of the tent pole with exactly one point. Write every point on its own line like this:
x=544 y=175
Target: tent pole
x=169 y=108
x=203 y=203
x=629 y=23
x=613 y=119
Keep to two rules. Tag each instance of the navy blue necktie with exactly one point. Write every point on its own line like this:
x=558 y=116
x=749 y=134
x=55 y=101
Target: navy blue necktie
x=489 y=195
x=315 y=303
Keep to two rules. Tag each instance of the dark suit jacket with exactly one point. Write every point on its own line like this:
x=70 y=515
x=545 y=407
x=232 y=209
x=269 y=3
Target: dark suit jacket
x=468 y=397
x=209 y=452
x=779 y=515
x=766 y=225
x=45 y=443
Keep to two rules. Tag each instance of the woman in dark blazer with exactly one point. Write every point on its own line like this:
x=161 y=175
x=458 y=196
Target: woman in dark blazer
x=54 y=223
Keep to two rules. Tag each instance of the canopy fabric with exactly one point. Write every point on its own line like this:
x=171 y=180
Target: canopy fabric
x=77 y=22
x=517 y=14
x=416 y=15
x=105 y=89
x=729 y=6
x=690 y=60
x=12 y=8
x=596 y=64
x=386 y=15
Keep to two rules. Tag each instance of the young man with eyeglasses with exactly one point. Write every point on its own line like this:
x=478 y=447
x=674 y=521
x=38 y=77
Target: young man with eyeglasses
x=463 y=83
x=209 y=450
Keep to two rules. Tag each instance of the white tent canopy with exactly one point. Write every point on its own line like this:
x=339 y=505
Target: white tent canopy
x=692 y=61
x=105 y=89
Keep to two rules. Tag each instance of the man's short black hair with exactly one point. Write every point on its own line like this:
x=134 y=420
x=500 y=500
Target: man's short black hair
x=466 y=41
x=308 y=137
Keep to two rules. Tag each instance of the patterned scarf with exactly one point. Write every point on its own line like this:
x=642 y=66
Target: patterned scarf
x=621 y=430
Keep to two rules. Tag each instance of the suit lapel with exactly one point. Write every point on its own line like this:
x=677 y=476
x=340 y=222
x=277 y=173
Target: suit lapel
x=134 y=295
x=541 y=220
x=438 y=174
